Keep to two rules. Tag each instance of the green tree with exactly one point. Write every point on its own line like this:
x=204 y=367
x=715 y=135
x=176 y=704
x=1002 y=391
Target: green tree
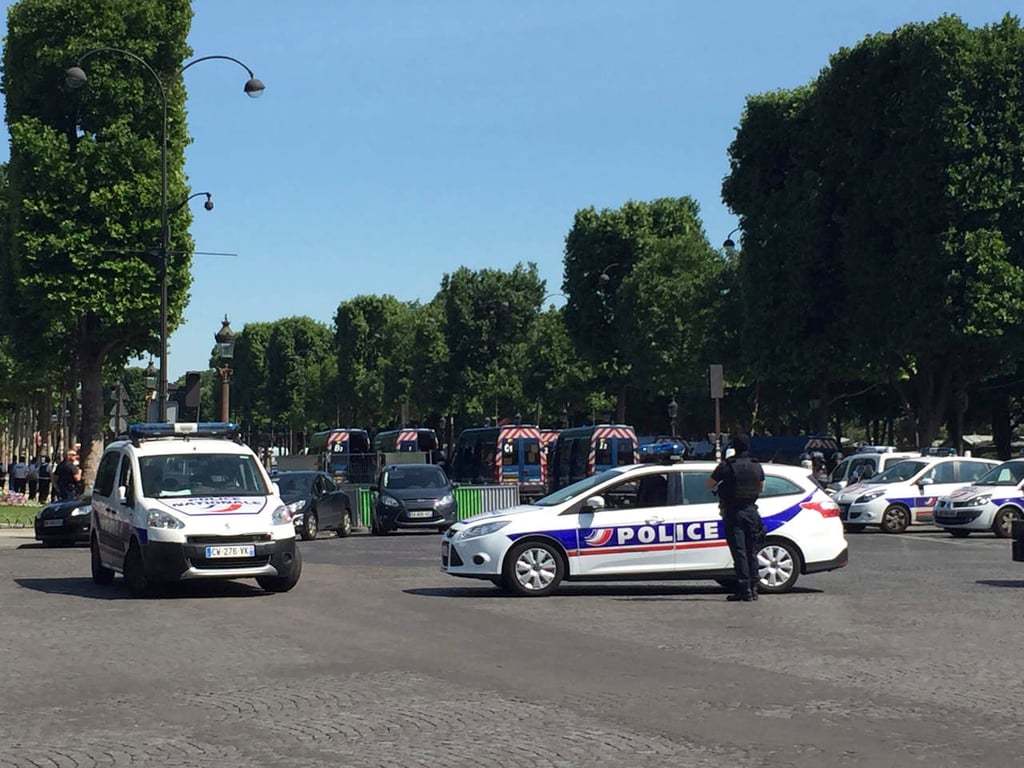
x=297 y=350
x=85 y=183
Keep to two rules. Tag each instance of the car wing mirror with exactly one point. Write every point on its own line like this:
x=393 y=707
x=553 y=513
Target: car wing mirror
x=594 y=503
x=122 y=494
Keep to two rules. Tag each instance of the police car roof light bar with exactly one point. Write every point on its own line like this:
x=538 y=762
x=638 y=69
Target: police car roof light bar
x=155 y=430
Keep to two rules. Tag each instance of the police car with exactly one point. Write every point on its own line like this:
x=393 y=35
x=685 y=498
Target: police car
x=867 y=462
x=907 y=492
x=990 y=503
x=645 y=521
x=189 y=501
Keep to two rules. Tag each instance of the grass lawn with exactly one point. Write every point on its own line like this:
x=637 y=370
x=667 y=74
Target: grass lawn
x=18 y=517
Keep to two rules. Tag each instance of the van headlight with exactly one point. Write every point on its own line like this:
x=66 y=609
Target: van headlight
x=484 y=529
x=157 y=518
x=281 y=516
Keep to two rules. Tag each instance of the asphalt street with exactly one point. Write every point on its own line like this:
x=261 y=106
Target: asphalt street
x=909 y=656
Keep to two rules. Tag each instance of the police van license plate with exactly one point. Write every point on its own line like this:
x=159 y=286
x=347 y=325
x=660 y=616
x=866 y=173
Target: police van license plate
x=240 y=550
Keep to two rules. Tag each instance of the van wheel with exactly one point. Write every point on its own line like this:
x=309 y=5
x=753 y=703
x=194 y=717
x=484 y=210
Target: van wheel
x=345 y=529
x=283 y=583
x=895 y=519
x=135 y=572
x=100 y=573
x=1002 y=523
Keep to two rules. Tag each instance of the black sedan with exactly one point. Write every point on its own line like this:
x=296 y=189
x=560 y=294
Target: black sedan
x=315 y=502
x=412 y=496
x=64 y=523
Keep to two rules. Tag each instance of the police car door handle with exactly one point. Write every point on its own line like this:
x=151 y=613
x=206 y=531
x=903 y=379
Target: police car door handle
x=654 y=520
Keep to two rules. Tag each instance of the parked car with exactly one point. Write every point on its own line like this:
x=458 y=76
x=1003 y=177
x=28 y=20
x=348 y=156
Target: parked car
x=64 y=523
x=412 y=496
x=907 y=492
x=646 y=521
x=316 y=503
x=990 y=503
x=868 y=461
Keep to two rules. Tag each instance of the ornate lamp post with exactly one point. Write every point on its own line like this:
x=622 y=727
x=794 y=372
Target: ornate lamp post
x=75 y=78
x=673 y=413
x=225 y=338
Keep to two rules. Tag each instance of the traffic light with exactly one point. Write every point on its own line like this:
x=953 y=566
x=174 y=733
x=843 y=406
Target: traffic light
x=192 y=379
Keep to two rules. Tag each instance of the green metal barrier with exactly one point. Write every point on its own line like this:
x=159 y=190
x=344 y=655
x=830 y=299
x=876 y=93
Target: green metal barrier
x=365 y=506
x=468 y=502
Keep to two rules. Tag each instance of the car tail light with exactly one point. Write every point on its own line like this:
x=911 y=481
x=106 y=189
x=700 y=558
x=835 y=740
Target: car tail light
x=824 y=507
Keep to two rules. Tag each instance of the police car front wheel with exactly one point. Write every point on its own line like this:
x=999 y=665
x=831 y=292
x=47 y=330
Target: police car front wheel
x=533 y=569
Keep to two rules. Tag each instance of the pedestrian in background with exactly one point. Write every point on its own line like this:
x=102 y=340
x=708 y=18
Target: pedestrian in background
x=3 y=475
x=740 y=481
x=44 y=479
x=67 y=476
x=19 y=475
x=32 y=477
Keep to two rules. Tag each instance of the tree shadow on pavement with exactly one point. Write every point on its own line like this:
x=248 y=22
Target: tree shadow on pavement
x=1010 y=583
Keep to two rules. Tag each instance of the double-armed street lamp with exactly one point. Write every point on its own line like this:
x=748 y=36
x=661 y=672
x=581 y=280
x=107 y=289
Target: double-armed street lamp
x=225 y=339
x=75 y=78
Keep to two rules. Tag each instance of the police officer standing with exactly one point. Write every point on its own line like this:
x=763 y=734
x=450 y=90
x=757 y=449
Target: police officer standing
x=740 y=481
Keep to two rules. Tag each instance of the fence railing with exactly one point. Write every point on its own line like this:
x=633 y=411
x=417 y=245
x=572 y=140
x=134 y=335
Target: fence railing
x=469 y=499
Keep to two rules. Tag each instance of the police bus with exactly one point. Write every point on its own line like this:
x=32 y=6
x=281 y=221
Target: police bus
x=346 y=454
x=584 y=451
x=509 y=454
x=409 y=440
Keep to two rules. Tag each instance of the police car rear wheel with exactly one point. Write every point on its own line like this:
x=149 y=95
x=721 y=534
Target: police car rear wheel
x=100 y=574
x=778 y=567
x=895 y=519
x=1002 y=524
x=533 y=569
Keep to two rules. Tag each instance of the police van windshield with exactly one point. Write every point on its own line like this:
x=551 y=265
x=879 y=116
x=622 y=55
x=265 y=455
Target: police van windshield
x=211 y=474
x=577 y=489
x=900 y=472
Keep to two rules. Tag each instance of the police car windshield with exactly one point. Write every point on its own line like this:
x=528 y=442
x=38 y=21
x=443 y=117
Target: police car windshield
x=899 y=472
x=1010 y=473
x=577 y=489
x=198 y=474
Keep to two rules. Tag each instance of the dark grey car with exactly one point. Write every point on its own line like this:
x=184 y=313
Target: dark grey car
x=316 y=503
x=412 y=496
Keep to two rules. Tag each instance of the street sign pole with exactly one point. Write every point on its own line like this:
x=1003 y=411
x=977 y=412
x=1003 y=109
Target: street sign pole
x=716 y=379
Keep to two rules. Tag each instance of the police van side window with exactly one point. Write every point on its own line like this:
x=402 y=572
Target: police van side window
x=124 y=479
x=105 y=474
x=779 y=486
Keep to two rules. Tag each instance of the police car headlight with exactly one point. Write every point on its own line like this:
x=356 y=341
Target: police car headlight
x=982 y=498
x=871 y=496
x=390 y=501
x=485 y=529
x=445 y=501
x=281 y=516
x=157 y=518
x=81 y=511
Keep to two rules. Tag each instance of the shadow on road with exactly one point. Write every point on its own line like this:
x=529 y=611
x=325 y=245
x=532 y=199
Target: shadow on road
x=1010 y=583
x=640 y=592
x=84 y=587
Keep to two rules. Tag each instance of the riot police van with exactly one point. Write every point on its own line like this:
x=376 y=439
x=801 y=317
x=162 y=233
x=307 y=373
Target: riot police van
x=189 y=501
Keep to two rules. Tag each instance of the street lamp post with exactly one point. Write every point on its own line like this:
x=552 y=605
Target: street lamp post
x=149 y=382
x=75 y=78
x=729 y=244
x=225 y=338
x=673 y=415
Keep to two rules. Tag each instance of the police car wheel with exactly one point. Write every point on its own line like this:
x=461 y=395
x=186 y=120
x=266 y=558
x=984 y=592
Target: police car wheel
x=778 y=567
x=283 y=583
x=895 y=519
x=533 y=569
x=345 y=529
x=100 y=574
x=310 y=526
x=135 y=573
x=1003 y=522
x=958 y=533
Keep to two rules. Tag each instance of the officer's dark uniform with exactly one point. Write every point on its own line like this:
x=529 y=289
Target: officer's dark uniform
x=739 y=484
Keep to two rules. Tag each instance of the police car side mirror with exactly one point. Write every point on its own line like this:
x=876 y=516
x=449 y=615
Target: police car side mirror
x=594 y=503
x=122 y=494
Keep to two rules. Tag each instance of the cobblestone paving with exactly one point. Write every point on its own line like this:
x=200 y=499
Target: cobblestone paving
x=905 y=658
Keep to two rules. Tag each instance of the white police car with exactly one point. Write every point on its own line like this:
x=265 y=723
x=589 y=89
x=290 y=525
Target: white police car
x=868 y=461
x=189 y=501
x=990 y=503
x=645 y=521
x=907 y=492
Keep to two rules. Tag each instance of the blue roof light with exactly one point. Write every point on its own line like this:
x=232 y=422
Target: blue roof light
x=155 y=430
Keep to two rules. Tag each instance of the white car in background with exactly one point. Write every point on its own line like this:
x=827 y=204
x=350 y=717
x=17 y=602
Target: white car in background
x=990 y=503
x=907 y=492
x=646 y=521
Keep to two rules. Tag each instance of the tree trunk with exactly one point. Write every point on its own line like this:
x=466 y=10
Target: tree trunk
x=1001 y=425
x=90 y=362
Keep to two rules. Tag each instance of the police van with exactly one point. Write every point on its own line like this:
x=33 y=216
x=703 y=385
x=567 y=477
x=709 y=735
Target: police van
x=189 y=501
x=646 y=521
x=868 y=461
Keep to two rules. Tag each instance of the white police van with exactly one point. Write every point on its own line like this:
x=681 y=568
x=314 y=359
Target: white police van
x=189 y=501
x=646 y=521
x=868 y=461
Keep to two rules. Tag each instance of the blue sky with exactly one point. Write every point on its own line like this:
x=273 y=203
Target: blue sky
x=402 y=139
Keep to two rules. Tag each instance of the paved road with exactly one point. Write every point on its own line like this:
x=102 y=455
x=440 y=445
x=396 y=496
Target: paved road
x=908 y=657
